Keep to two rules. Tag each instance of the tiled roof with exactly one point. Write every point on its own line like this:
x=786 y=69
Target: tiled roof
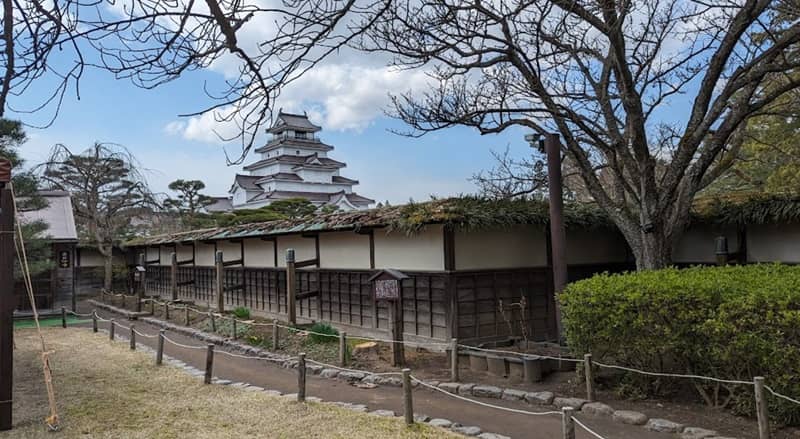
x=340 y=179
x=57 y=215
x=293 y=121
x=247 y=182
x=299 y=160
x=220 y=204
x=280 y=176
x=292 y=142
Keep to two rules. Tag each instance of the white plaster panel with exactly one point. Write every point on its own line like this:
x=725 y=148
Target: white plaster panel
x=511 y=247
x=344 y=250
x=166 y=251
x=421 y=251
x=204 y=254
x=304 y=248
x=773 y=242
x=697 y=245
x=230 y=250
x=184 y=252
x=258 y=253
x=595 y=247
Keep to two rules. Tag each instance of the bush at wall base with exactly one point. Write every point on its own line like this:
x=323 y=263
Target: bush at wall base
x=732 y=322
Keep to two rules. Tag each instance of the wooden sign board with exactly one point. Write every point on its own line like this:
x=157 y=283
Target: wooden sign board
x=388 y=289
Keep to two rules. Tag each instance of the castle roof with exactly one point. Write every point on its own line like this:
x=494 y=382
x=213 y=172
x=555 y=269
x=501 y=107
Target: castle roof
x=299 y=160
x=297 y=122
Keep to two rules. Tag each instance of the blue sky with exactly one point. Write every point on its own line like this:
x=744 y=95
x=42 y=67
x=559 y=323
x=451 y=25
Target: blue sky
x=389 y=167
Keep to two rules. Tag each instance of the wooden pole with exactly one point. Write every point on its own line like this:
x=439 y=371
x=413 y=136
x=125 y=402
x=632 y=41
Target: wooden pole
x=454 y=360
x=186 y=316
x=761 y=408
x=213 y=321
x=558 y=247
x=219 y=281
x=166 y=310
x=209 y=363
x=408 y=404
x=301 y=377
x=140 y=292
x=291 y=285
x=94 y=321
x=111 y=329
x=143 y=263
x=589 y=374
x=173 y=276
x=567 y=424
x=343 y=349
x=63 y=317
x=7 y=306
x=133 y=337
x=160 y=348
x=275 y=336
x=152 y=307
x=396 y=329
x=234 y=328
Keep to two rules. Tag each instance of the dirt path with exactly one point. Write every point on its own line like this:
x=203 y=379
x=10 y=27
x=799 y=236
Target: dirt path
x=270 y=376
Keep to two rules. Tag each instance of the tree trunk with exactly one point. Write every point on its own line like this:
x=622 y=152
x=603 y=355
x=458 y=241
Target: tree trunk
x=655 y=251
x=108 y=274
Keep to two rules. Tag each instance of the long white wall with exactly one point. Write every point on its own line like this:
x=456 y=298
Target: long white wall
x=595 y=247
x=421 y=251
x=697 y=245
x=773 y=242
x=511 y=247
x=304 y=248
x=344 y=250
x=259 y=253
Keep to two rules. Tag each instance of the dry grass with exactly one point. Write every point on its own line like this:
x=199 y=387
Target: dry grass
x=106 y=391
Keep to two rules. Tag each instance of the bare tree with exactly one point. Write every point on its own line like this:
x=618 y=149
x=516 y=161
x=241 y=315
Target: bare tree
x=512 y=177
x=107 y=193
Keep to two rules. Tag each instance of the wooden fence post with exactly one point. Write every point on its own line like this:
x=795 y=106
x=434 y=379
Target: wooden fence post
x=160 y=348
x=219 y=281
x=291 y=286
x=111 y=329
x=761 y=408
x=235 y=335
x=213 y=321
x=140 y=290
x=143 y=264
x=301 y=377
x=133 y=337
x=588 y=373
x=186 y=315
x=567 y=424
x=343 y=349
x=7 y=304
x=166 y=310
x=396 y=330
x=454 y=360
x=209 y=363
x=63 y=317
x=94 y=321
x=173 y=276
x=152 y=307
x=408 y=404
x=123 y=300
x=275 y=335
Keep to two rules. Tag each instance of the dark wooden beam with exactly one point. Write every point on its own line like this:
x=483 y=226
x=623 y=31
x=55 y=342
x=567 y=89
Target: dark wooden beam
x=307 y=263
x=6 y=307
x=233 y=262
x=449 y=249
x=306 y=295
x=372 y=249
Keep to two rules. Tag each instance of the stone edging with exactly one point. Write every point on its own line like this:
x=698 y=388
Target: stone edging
x=542 y=399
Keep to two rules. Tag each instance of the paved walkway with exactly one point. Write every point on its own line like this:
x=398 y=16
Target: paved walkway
x=434 y=404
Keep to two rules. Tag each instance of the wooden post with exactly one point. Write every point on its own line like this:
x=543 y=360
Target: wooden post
x=143 y=263
x=152 y=307
x=396 y=327
x=567 y=424
x=301 y=377
x=166 y=310
x=588 y=373
x=234 y=328
x=219 y=281
x=761 y=408
x=291 y=285
x=186 y=316
x=160 y=348
x=133 y=337
x=140 y=292
x=111 y=329
x=209 y=363
x=213 y=321
x=7 y=305
x=123 y=299
x=408 y=404
x=173 y=276
x=63 y=317
x=275 y=336
x=454 y=360
x=558 y=247
x=94 y=321
x=343 y=349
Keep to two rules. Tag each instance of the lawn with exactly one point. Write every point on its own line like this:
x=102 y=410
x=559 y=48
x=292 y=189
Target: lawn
x=105 y=390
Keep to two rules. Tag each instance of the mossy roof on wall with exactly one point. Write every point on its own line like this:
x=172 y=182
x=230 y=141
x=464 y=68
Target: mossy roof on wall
x=472 y=213
x=740 y=208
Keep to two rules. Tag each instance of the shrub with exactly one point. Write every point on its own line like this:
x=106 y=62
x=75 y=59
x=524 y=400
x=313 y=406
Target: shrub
x=322 y=328
x=732 y=322
x=242 y=313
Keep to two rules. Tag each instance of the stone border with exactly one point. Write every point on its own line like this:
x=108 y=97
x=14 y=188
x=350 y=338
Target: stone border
x=543 y=399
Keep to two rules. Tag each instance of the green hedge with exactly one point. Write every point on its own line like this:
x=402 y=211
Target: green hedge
x=732 y=322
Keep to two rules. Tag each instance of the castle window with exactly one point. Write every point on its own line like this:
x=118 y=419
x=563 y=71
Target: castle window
x=300 y=134
x=297 y=152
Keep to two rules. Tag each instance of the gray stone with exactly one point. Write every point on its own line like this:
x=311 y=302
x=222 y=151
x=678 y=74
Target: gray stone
x=420 y=418
x=313 y=368
x=597 y=409
x=663 y=426
x=467 y=430
x=630 y=417
x=575 y=403
x=329 y=373
x=313 y=399
x=697 y=433
x=466 y=389
x=492 y=436
x=383 y=380
x=387 y=413
x=439 y=422
x=222 y=382
x=486 y=391
x=513 y=395
x=540 y=398
x=449 y=387
x=273 y=392
x=254 y=389
x=496 y=366
x=351 y=376
x=432 y=383
x=721 y=437
x=291 y=396
x=240 y=385
x=350 y=406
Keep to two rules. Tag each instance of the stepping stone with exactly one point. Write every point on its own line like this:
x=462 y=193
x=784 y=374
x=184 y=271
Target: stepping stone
x=313 y=399
x=387 y=413
x=486 y=391
x=597 y=409
x=492 y=436
x=575 y=403
x=467 y=430
x=253 y=389
x=663 y=426
x=629 y=417
x=351 y=376
x=697 y=433
x=439 y=422
x=513 y=395
x=240 y=385
x=273 y=393
x=449 y=387
x=349 y=406
x=420 y=418
x=329 y=373
x=465 y=389
x=313 y=368
x=540 y=398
